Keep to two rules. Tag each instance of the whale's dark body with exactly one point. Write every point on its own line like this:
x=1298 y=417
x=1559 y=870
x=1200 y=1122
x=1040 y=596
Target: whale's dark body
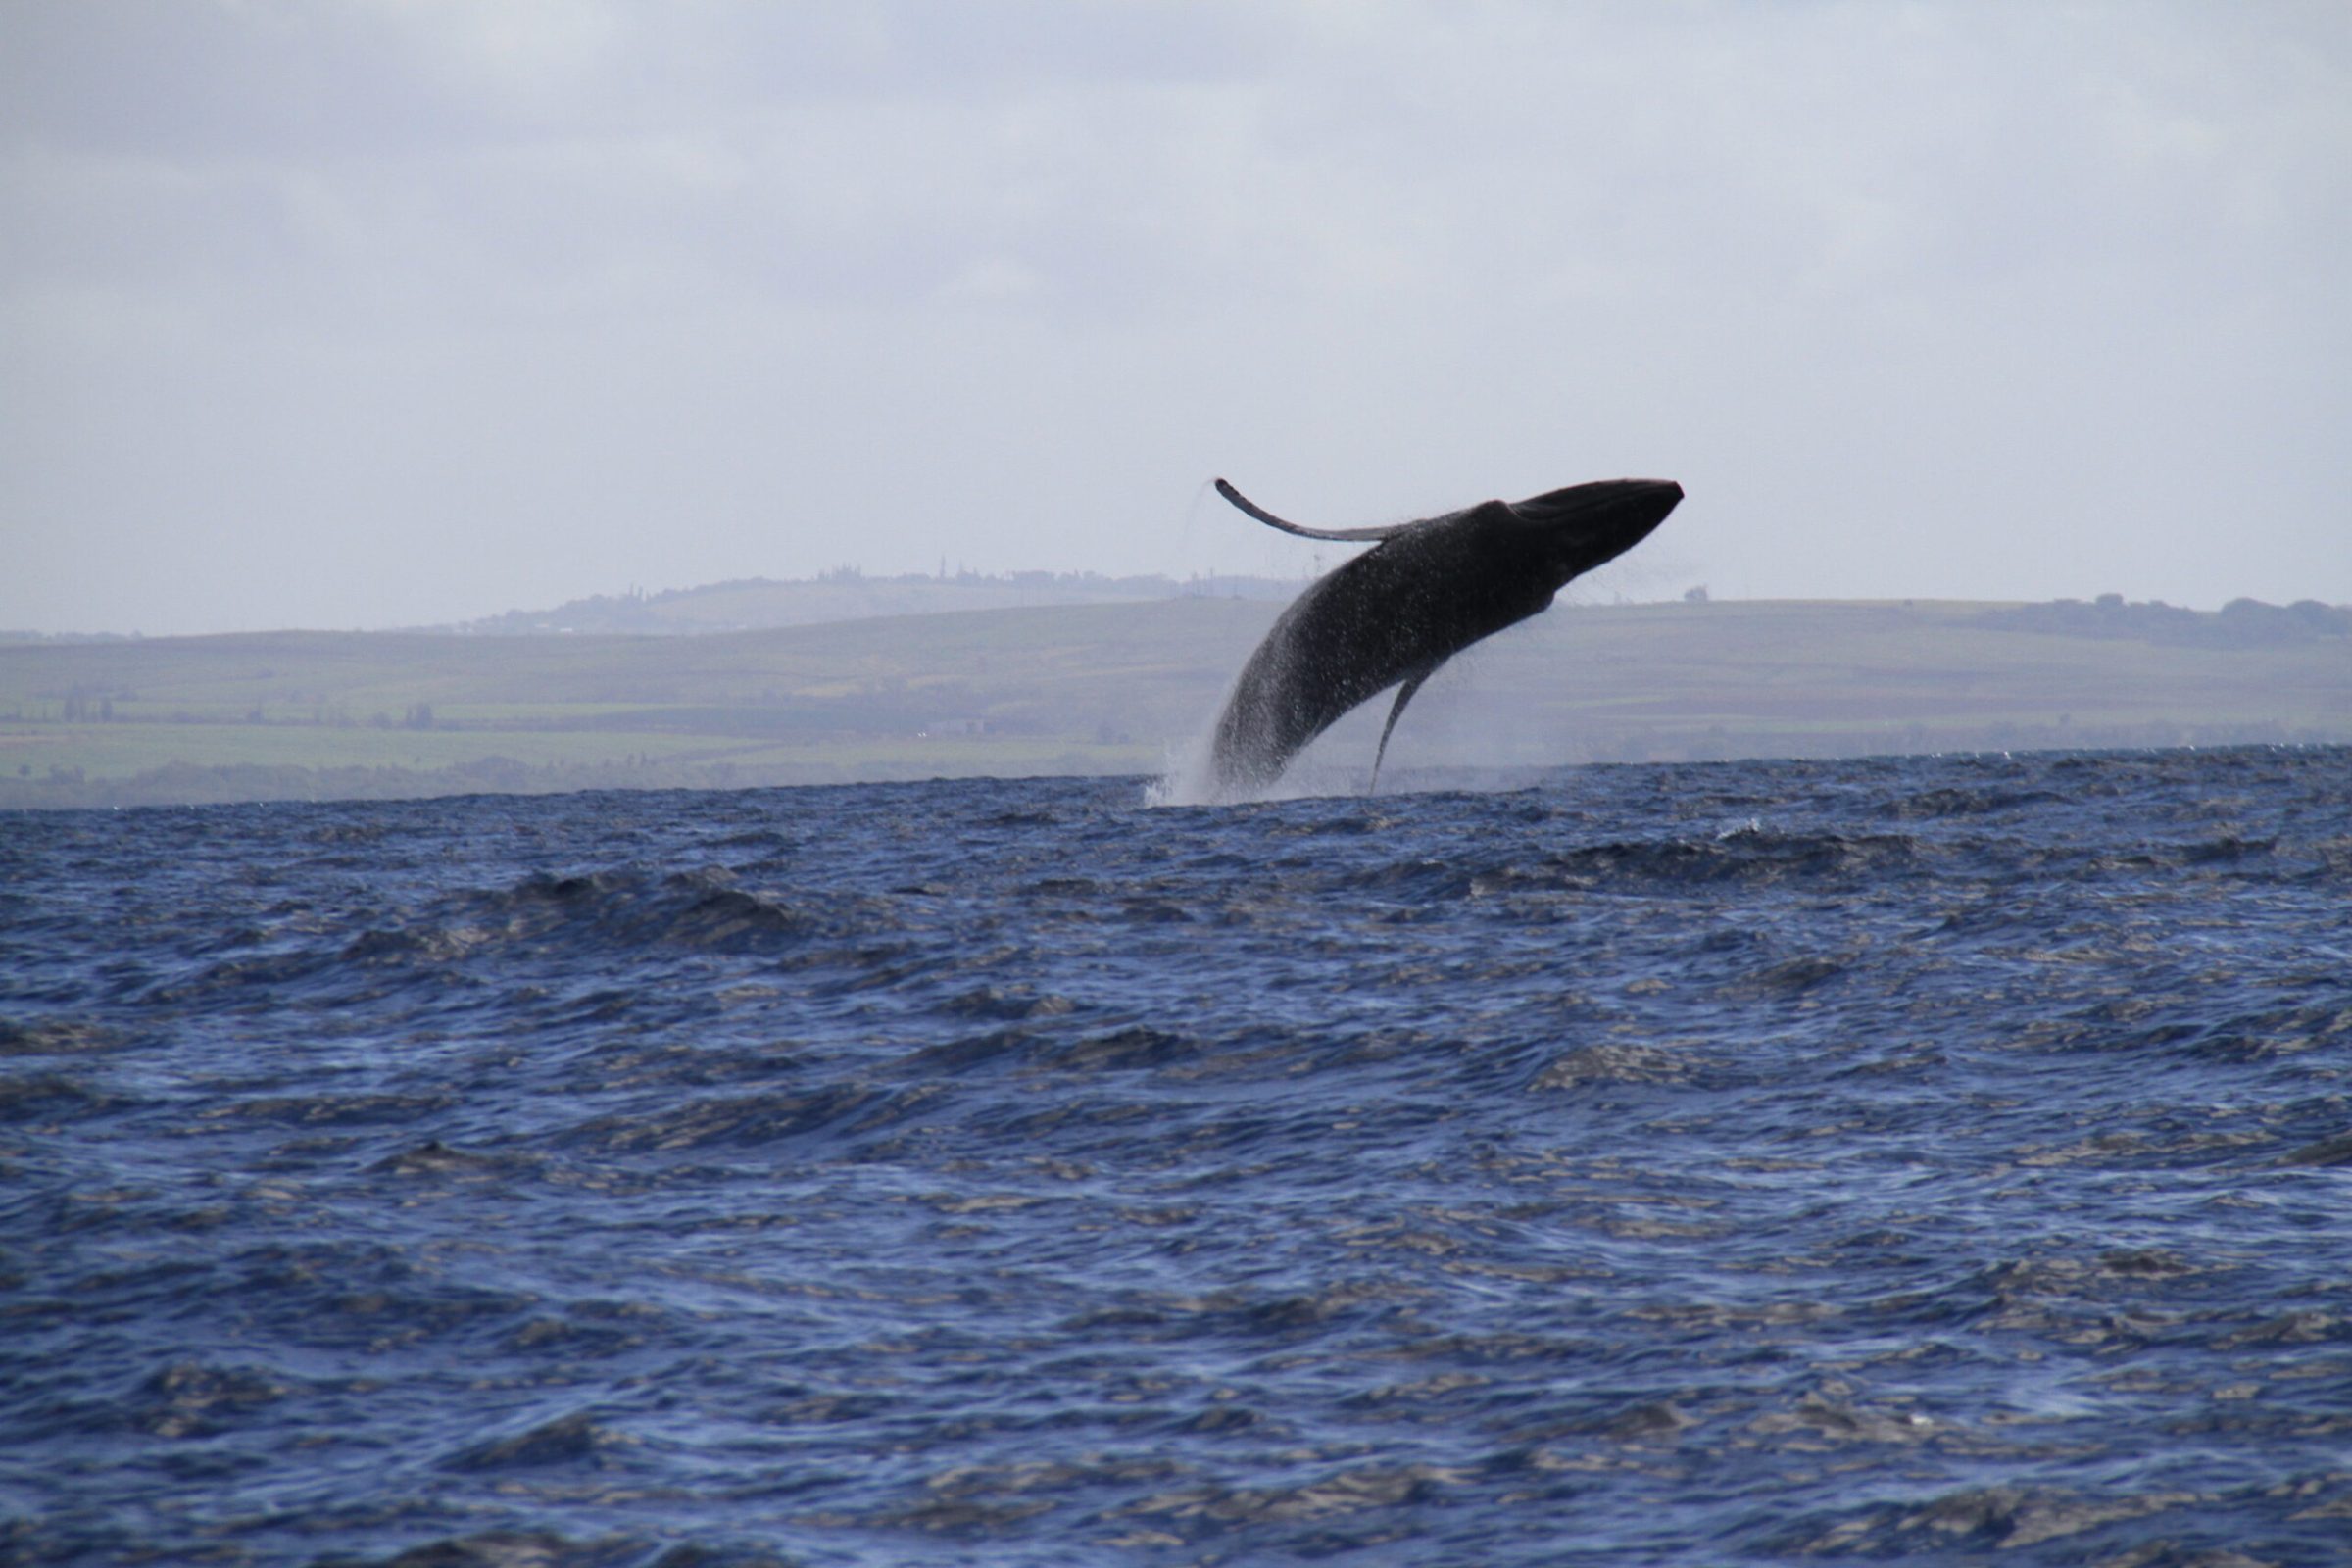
x=1397 y=611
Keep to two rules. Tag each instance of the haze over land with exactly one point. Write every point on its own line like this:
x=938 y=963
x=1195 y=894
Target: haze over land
x=361 y=314
x=1127 y=687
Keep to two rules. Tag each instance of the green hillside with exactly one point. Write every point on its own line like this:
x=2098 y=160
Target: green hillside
x=1103 y=688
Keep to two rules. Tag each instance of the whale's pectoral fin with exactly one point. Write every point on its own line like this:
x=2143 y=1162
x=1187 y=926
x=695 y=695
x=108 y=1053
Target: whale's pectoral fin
x=1350 y=535
x=1404 y=695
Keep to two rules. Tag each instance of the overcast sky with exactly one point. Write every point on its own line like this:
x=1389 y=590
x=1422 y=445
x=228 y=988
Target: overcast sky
x=365 y=315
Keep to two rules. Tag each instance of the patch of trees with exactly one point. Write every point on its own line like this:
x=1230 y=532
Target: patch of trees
x=80 y=710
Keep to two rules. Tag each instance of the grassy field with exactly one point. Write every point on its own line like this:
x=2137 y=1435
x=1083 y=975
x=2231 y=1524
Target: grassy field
x=1089 y=688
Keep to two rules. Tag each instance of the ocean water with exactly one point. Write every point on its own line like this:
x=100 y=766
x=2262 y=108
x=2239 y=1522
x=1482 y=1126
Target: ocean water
x=1905 y=1160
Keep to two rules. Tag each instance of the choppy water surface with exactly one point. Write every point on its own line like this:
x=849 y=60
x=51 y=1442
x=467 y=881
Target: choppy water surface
x=1904 y=1160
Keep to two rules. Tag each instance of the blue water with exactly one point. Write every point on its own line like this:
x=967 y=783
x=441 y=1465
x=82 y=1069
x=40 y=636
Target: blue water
x=1916 y=1160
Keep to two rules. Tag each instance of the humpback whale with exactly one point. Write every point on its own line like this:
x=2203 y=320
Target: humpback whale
x=1396 y=613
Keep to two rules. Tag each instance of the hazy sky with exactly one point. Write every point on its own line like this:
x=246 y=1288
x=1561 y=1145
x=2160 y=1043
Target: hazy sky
x=375 y=314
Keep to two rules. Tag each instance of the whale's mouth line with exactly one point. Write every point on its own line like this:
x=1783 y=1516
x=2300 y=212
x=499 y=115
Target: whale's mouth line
x=1602 y=503
x=1587 y=526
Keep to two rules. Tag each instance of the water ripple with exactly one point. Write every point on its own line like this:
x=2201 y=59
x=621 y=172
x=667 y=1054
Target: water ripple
x=1917 y=1159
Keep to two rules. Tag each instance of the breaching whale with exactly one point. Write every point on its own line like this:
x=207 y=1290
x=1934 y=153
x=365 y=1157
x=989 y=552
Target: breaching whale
x=1423 y=593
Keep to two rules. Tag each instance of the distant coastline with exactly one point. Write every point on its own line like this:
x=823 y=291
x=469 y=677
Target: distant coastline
x=1110 y=676
x=760 y=604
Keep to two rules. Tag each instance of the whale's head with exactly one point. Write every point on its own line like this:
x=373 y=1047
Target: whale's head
x=1571 y=531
